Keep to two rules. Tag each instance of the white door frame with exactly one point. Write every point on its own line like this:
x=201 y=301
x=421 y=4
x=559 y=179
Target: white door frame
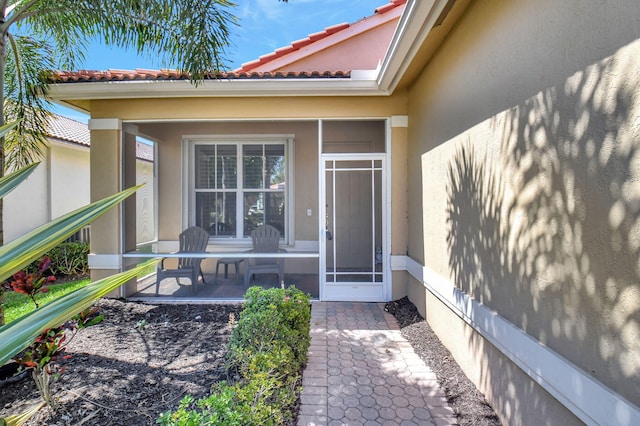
x=354 y=291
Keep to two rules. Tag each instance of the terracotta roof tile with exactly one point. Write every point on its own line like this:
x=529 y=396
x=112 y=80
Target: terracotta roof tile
x=243 y=73
x=84 y=76
x=312 y=38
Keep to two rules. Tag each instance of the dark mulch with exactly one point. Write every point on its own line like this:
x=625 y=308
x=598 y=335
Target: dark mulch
x=468 y=403
x=142 y=359
x=136 y=364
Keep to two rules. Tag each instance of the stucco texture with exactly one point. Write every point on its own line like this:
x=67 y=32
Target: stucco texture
x=524 y=185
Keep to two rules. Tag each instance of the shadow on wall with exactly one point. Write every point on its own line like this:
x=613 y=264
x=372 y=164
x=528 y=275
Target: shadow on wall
x=544 y=223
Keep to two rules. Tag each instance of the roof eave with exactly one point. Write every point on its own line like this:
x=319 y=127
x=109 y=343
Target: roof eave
x=361 y=83
x=416 y=22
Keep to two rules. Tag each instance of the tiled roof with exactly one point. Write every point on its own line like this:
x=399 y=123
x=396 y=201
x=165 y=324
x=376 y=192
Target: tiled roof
x=312 y=38
x=144 y=151
x=244 y=73
x=68 y=130
x=164 y=74
x=65 y=129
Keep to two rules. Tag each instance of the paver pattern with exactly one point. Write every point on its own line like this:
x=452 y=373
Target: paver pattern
x=361 y=371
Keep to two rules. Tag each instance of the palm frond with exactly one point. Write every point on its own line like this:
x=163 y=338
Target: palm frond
x=9 y=182
x=23 y=102
x=190 y=35
x=18 y=253
x=20 y=333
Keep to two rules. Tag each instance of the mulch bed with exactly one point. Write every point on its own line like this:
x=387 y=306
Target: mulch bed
x=139 y=362
x=143 y=359
x=469 y=404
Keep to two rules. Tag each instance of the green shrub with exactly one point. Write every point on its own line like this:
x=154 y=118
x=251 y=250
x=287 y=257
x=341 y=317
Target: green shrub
x=266 y=354
x=274 y=321
x=66 y=259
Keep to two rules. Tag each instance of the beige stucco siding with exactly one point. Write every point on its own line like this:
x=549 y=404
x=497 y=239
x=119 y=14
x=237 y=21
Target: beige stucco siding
x=524 y=171
x=248 y=108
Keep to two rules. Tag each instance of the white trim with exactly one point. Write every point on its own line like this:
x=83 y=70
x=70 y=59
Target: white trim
x=399 y=121
x=322 y=212
x=131 y=129
x=398 y=262
x=105 y=261
x=146 y=89
x=414 y=26
x=189 y=193
x=356 y=291
x=591 y=401
x=104 y=124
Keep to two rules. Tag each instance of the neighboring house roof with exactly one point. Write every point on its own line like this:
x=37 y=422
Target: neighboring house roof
x=64 y=129
x=67 y=130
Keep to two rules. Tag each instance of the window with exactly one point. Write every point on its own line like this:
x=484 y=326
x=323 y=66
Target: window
x=239 y=186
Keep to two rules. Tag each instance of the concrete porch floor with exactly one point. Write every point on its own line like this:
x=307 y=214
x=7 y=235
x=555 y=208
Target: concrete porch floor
x=223 y=288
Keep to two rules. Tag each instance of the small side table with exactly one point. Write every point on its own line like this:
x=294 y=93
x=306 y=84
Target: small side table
x=226 y=261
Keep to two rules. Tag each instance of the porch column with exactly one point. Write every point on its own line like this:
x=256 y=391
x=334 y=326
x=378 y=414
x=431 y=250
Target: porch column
x=110 y=174
x=399 y=202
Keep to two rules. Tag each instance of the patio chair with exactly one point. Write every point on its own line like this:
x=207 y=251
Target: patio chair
x=266 y=239
x=192 y=240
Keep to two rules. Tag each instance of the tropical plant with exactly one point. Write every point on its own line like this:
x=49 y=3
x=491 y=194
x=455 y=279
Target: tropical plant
x=17 y=254
x=68 y=258
x=41 y=35
x=34 y=282
x=42 y=355
x=44 y=327
x=25 y=249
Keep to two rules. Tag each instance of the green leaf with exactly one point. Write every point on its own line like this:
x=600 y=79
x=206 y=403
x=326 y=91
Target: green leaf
x=7 y=128
x=20 y=419
x=19 y=334
x=19 y=253
x=10 y=181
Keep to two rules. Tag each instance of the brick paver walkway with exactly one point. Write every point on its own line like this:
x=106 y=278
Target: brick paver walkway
x=361 y=371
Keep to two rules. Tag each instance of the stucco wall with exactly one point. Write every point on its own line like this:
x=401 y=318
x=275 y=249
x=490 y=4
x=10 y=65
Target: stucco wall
x=366 y=50
x=524 y=184
x=27 y=206
x=69 y=178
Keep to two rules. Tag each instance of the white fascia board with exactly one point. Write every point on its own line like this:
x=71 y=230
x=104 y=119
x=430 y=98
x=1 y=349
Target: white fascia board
x=415 y=24
x=218 y=88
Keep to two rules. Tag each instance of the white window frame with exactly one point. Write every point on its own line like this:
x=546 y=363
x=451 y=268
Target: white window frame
x=189 y=192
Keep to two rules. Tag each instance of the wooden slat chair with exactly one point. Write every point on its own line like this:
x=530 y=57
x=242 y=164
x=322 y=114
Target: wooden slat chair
x=192 y=240
x=266 y=239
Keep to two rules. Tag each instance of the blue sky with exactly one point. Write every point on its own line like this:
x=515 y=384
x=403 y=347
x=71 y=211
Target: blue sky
x=264 y=25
